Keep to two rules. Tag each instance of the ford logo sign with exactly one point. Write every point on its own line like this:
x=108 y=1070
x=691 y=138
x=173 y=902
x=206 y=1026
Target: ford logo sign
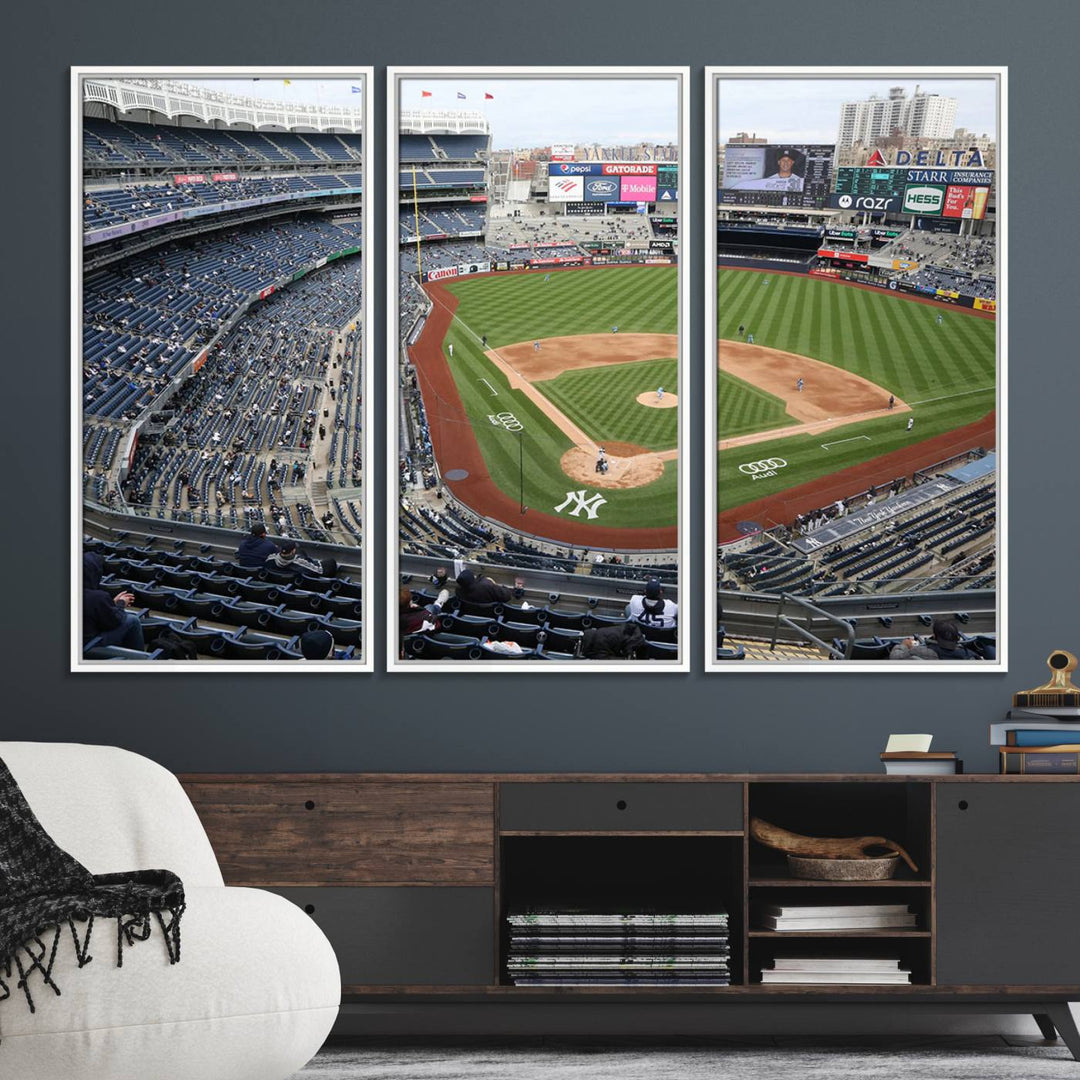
x=603 y=187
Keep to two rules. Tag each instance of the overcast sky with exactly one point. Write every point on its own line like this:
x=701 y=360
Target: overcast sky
x=808 y=110
x=534 y=111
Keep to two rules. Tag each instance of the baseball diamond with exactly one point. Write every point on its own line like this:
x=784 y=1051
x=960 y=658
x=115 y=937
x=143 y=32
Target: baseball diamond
x=853 y=348
x=579 y=390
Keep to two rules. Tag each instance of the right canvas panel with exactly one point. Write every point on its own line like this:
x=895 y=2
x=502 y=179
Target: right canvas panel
x=856 y=411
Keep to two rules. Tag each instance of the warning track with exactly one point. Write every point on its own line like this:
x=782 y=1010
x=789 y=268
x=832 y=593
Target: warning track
x=455 y=446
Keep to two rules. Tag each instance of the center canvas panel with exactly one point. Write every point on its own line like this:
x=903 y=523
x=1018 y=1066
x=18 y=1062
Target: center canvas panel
x=537 y=424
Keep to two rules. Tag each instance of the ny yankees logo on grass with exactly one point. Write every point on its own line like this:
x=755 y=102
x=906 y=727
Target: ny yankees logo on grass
x=580 y=500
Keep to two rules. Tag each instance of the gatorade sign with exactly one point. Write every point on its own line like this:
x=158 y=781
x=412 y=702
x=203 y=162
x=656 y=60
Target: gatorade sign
x=926 y=199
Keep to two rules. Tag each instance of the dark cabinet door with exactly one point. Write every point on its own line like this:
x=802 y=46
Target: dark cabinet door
x=406 y=936
x=1008 y=884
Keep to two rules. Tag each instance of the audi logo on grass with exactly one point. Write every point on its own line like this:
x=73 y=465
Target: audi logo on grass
x=760 y=470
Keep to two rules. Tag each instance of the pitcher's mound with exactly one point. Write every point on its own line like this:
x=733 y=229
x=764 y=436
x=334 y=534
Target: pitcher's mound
x=668 y=401
x=624 y=471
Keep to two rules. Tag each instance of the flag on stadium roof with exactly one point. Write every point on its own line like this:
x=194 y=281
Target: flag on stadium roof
x=425 y=93
x=489 y=97
x=461 y=95
x=355 y=89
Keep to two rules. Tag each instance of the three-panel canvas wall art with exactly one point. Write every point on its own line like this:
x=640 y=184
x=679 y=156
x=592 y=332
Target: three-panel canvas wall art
x=544 y=245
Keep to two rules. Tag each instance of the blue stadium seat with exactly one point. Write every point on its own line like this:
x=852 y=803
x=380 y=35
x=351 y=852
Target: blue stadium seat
x=660 y=650
x=518 y=614
x=565 y=620
x=526 y=635
x=478 y=625
x=248 y=646
x=442 y=647
x=737 y=653
x=562 y=640
x=667 y=634
x=344 y=631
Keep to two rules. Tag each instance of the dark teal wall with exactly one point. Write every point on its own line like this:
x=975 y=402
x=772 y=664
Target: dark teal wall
x=824 y=721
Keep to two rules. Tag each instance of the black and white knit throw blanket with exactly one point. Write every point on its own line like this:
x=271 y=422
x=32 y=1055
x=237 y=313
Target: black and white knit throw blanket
x=46 y=895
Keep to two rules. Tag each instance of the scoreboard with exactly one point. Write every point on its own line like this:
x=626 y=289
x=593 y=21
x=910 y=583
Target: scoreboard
x=880 y=183
x=749 y=177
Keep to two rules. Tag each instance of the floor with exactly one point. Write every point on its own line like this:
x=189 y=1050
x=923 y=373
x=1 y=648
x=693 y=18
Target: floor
x=761 y=1058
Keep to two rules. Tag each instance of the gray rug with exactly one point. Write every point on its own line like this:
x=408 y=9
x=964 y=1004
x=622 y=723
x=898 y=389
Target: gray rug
x=887 y=1061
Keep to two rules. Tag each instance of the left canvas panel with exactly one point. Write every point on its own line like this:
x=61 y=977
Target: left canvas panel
x=221 y=441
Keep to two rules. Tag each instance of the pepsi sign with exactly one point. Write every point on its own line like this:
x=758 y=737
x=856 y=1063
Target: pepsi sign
x=574 y=168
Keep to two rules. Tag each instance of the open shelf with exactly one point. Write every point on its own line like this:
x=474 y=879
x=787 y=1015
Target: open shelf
x=840 y=933
x=616 y=873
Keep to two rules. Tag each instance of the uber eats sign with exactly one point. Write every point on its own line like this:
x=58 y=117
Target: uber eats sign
x=926 y=199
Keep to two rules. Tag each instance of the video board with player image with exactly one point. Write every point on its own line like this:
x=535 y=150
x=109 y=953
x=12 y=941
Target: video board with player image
x=788 y=174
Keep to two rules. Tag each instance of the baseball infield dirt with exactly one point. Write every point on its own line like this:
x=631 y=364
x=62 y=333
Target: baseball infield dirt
x=523 y=364
x=830 y=396
x=650 y=401
x=559 y=354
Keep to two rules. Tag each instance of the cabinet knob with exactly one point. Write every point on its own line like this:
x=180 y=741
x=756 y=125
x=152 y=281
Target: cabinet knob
x=621 y=804
x=962 y=804
x=309 y=908
x=309 y=805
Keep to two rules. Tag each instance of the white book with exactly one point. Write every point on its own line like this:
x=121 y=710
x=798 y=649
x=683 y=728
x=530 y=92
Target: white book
x=837 y=977
x=941 y=767
x=834 y=963
x=832 y=911
x=852 y=922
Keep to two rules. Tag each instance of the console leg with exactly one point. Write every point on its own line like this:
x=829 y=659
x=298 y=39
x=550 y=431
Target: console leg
x=1062 y=1019
x=1046 y=1026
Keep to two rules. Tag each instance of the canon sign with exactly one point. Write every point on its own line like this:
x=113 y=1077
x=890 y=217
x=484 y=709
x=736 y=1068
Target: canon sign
x=923 y=199
x=638 y=168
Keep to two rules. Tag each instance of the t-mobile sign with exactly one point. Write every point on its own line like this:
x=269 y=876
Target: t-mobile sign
x=638 y=189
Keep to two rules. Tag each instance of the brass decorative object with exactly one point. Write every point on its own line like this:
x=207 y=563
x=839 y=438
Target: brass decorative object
x=822 y=847
x=1059 y=692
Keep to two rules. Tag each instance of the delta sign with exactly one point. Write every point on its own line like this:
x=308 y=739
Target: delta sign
x=972 y=158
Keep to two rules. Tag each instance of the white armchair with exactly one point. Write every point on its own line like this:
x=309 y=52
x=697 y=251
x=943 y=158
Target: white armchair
x=257 y=988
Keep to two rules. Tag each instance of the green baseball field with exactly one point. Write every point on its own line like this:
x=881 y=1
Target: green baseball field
x=557 y=404
x=853 y=348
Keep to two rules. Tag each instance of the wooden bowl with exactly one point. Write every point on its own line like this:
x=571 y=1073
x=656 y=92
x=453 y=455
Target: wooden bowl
x=819 y=869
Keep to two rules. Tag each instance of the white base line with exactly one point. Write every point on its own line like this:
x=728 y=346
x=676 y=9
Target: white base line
x=494 y=392
x=947 y=397
x=854 y=438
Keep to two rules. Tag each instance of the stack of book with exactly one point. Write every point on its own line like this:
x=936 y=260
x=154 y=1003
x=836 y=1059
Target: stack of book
x=916 y=763
x=868 y=970
x=1039 y=740
x=794 y=917
x=577 y=948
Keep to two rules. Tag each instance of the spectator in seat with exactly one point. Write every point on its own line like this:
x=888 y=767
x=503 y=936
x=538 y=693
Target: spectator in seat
x=317 y=645
x=912 y=649
x=651 y=608
x=415 y=619
x=484 y=590
x=104 y=616
x=945 y=643
x=256 y=547
x=288 y=557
